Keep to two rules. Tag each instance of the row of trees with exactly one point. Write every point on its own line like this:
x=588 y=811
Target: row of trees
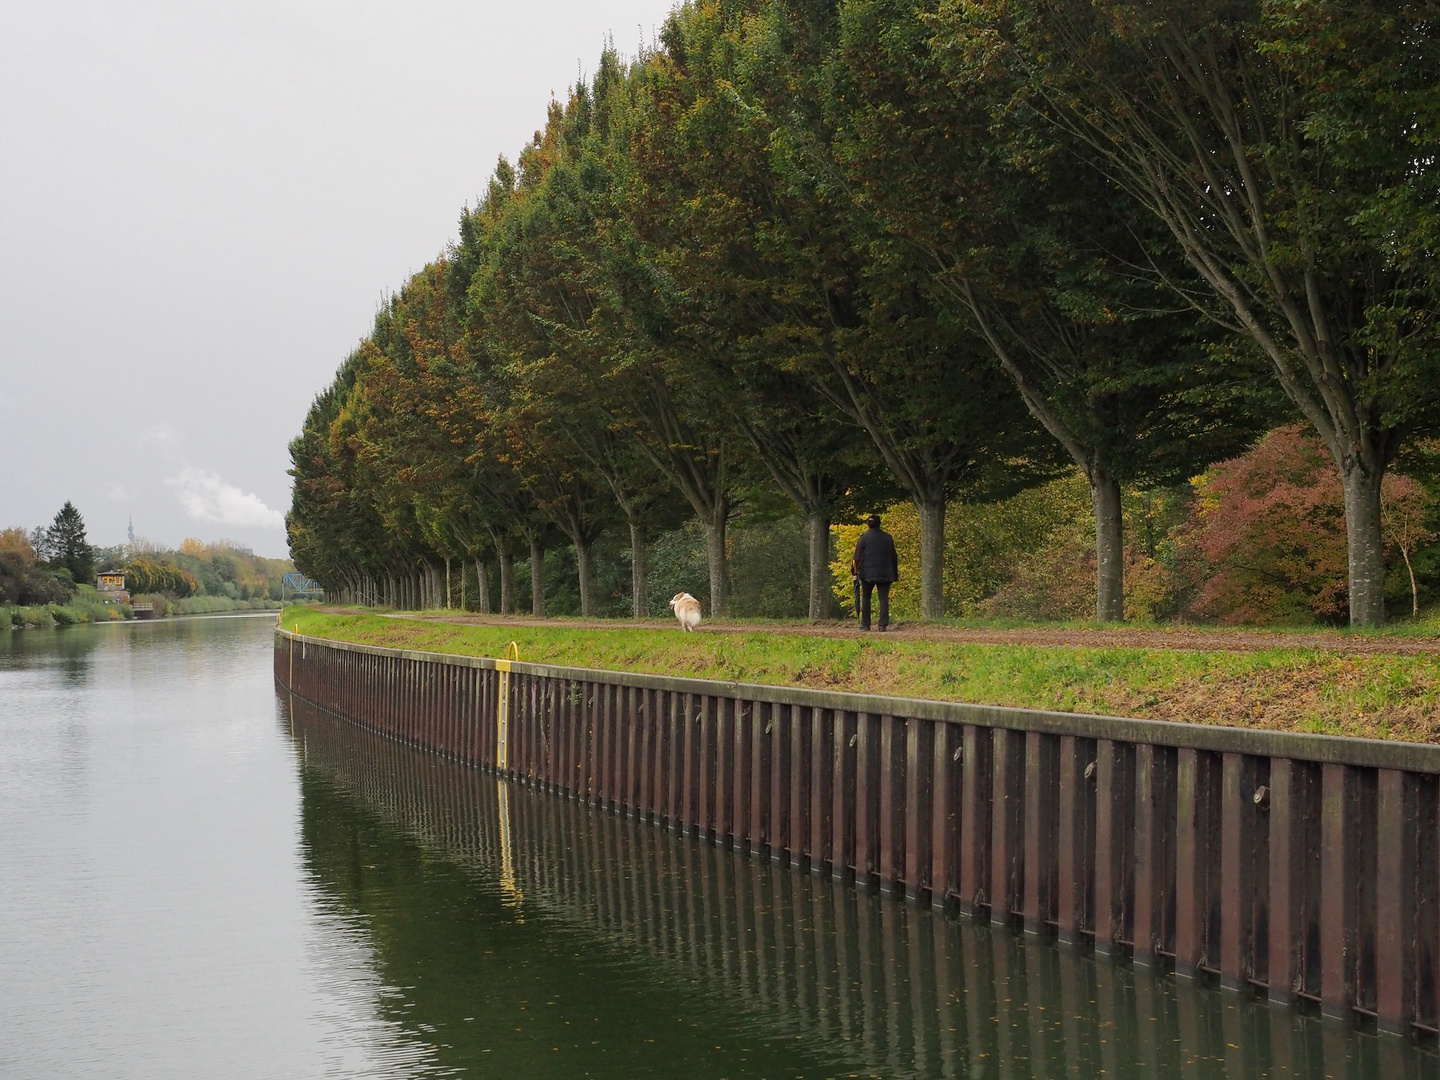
x=146 y=576
x=939 y=250
x=47 y=564
x=219 y=568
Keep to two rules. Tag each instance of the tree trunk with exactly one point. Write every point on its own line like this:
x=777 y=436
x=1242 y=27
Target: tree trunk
x=1367 y=552
x=462 y=585
x=585 y=564
x=719 y=566
x=1109 y=548
x=819 y=524
x=446 y=605
x=1414 y=589
x=639 y=570
x=932 y=559
x=482 y=587
x=507 y=583
x=537 y=579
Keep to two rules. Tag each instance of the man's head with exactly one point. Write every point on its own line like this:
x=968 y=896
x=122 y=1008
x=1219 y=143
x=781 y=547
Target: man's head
x=873 y=521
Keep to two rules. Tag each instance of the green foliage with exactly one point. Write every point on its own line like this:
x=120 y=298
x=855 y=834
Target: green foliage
x=677 y=564
x=23 y=580
x=1280 y=148
x=31 y=618
x=63 y=616
x=88 y=606
x=85 y=606
x=987 y=548
x=147 y=576
x=839 y=255
x=67 y=547
x=212 y=605
x=223 y=569
x=770 y=564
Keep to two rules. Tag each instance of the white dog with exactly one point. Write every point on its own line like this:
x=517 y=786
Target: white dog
x=687 y=610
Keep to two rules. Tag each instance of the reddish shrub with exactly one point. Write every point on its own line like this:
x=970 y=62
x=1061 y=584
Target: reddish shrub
x=1268 y=534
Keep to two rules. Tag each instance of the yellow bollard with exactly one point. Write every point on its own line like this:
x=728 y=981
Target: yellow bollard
x=502 y=712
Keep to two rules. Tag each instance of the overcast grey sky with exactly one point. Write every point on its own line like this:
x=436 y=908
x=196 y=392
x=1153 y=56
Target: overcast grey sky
x=201 y=206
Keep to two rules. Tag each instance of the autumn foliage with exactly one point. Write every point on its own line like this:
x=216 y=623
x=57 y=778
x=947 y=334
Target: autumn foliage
x=144 y=576
x=1267 y=540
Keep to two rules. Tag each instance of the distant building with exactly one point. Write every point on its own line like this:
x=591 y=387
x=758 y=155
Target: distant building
x=111 y=586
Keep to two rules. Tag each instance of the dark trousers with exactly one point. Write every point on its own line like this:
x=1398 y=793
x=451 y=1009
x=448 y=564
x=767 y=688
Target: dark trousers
x=883 y=588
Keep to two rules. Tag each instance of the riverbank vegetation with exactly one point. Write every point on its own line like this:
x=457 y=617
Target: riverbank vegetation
x=1170 y=283
x=1270 y=684
x=46 y=576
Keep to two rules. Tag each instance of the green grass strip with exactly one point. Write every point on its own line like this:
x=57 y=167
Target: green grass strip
x=1312 y=690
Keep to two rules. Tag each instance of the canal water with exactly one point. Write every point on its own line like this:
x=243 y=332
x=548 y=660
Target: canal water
x=199 y=878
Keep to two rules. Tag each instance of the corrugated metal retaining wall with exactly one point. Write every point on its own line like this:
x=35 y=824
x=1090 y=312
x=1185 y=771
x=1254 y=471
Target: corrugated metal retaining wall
x=1302 y=865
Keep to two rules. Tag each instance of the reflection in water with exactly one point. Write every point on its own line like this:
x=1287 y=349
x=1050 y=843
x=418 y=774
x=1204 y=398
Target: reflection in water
x=535 y=936
x=155 y=919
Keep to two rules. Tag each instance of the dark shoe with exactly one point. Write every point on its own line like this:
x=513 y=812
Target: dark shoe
x=864 y=629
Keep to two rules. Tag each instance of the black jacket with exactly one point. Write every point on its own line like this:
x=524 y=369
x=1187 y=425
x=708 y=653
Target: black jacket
x=875 y=558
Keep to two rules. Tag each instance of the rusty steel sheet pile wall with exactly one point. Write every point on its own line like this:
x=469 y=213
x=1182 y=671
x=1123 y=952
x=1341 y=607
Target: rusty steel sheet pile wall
x=1302 y=866
x=886 y=988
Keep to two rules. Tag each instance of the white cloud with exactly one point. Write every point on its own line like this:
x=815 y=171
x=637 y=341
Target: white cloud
x=164 y=436
x=206 y=497
x=117 y=492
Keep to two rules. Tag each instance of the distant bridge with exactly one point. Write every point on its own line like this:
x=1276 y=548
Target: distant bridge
x=299 y=585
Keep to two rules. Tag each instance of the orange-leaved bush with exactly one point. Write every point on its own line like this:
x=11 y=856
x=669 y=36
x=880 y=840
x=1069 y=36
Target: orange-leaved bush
x=1268 y=534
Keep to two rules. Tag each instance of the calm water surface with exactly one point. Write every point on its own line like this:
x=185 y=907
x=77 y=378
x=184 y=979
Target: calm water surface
x=198 y=879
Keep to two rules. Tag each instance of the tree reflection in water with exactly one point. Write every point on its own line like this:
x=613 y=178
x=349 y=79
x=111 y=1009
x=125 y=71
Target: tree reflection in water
x=537 y=936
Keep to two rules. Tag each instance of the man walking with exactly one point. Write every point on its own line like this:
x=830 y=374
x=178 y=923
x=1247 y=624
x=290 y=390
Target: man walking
x=877 y=566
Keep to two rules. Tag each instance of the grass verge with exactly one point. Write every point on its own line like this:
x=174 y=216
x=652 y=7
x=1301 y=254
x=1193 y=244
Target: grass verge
x=1282 y=688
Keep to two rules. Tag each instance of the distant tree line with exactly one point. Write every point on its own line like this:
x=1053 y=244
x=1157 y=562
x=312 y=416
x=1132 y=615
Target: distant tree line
x=46 y=565
x=145 y=576
x=846 y=253
x=49 y=564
